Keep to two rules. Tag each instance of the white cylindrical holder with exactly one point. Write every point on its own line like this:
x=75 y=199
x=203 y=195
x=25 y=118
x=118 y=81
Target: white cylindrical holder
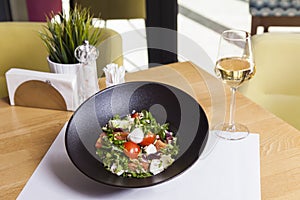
x=59 y=68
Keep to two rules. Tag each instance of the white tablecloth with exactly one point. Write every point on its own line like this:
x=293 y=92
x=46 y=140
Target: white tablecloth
x=231 y=171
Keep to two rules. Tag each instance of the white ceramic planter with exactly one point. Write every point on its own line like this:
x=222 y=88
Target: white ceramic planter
x=87 y=80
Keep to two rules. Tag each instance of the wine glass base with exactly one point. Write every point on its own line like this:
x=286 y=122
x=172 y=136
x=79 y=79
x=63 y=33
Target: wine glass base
x=231 y=132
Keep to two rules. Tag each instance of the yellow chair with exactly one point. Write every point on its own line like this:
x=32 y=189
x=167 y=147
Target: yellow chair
x=21 y=47
x=276 y=85
x=114 y=9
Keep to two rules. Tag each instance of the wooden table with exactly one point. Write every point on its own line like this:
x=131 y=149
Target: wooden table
x=27 y=133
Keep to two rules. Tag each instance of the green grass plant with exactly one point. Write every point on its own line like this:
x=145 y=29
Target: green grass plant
x=63 y=33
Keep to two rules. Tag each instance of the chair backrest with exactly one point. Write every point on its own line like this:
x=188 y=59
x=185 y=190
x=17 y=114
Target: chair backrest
x=274 y=8
x=282 y=13
x=114 y=9
x=21 y=47
x=39 y=9
x=276 y=85
x=110 y=50
x=33 y=10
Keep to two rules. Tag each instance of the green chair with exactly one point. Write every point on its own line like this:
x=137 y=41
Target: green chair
x=21 y=47
x=276 y=85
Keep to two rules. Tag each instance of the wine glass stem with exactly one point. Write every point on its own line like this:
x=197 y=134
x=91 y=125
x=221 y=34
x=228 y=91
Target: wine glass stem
x=232 y=109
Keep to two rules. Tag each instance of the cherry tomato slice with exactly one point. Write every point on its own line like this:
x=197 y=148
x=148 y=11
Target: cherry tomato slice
x=135 y=115
x=148 y=139
x=131 y=149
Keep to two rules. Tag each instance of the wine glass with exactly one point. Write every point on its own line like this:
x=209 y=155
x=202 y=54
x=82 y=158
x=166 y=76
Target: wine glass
x=234 y=66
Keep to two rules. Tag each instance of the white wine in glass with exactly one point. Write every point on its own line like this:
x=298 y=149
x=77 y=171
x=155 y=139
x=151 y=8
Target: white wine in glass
x=234 y=66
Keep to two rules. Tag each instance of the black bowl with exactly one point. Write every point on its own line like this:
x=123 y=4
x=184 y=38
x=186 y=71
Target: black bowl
x=167 y=104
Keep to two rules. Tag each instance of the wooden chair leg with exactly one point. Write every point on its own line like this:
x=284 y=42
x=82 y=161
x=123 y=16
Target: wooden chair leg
x=253 y=29
x=256 y=21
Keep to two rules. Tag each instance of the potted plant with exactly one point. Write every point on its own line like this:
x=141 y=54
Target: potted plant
x=62 y=34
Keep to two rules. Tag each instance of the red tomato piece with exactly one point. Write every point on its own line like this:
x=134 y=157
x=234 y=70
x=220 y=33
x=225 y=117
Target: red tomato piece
x=135 y=115
x=148 y=139
x=131 y=149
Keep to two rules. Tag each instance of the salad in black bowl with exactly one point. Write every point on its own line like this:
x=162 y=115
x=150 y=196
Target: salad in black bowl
x=136 y=134
x=136 y=145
